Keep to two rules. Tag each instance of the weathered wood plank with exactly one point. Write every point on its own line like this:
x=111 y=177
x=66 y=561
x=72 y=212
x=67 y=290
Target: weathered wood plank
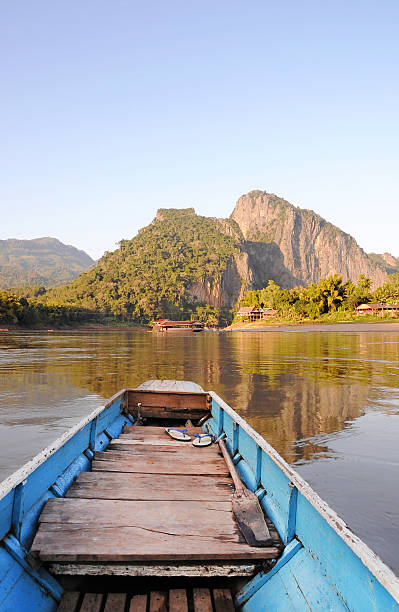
x=160 y=433
x=158 y=600
x=151 y=468
x=147 y=385
x=68 y=542
x=246 y=508
x=202 y=600
x=223 y=600
x=178 y=600
x=138 y=603
x=178 y=400
x=154 y=412
x=172 y=452
x=143 y=435
x=190 y=386
x=91 y=602
x=167 y=445
x=140 y=428
x=156 y=467
x=166 y=569
x=151 y=487
x=168 y=404
x=69 y=601
x=202 y=455
x=155 y=385
x=188 y=518
x=173 y=448
x=115 y=602
x=119 y=461
x=150 y=430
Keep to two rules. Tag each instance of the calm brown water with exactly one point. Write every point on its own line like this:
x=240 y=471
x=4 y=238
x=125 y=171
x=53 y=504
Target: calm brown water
x=327 y=401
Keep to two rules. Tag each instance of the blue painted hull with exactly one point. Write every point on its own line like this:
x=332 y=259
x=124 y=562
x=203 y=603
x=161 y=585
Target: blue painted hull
x=23 y=584
x=323 y=567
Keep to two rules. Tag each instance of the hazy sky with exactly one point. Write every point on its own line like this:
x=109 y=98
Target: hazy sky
x=111 y=109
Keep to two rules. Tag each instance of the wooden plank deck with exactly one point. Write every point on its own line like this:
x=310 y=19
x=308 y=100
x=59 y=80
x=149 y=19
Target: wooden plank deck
x=147 y=504
x=173 y=600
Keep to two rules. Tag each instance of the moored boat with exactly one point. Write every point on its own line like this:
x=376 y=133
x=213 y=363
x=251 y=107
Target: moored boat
x=116 y=504
x=165 y=325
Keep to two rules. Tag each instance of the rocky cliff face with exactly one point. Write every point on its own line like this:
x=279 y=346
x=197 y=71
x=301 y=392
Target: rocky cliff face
x=294 y=246
x=236 y=278
x=386 y=261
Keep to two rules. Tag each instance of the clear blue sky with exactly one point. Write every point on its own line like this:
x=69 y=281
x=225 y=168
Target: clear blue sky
x=111 y=109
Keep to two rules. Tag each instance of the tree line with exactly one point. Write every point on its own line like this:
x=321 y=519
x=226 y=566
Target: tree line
x=35 y=306
x=329 y=295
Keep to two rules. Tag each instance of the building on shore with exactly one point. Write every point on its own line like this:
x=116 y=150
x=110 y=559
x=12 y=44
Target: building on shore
x=165 y=325
x=376 y=308
x=253 y=313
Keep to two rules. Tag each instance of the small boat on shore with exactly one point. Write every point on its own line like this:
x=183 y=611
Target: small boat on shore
x=165 y=325
x=117 y=515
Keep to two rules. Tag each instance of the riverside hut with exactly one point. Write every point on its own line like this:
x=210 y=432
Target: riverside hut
x=376 y=308
x=253 y=313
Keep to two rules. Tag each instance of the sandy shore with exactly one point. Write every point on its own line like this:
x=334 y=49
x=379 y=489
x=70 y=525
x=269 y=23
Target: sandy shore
x=314 y=327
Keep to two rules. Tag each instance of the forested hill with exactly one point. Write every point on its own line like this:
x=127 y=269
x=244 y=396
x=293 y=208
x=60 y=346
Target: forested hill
x=42 y=261
x=161 y=271
x=183 y=264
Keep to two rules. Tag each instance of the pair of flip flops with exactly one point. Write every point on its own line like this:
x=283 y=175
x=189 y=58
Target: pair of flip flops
x=183 y=436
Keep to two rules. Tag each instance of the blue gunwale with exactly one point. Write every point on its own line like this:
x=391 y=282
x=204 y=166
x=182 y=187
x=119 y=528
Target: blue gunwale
x=351 y=568
x=24 y=493
x=9 y=483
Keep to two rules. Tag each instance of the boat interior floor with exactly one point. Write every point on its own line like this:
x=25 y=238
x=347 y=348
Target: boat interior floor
x=196 y=599
x=152 y=509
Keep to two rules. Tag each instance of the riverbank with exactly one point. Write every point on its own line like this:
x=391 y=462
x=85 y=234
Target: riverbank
x=84 y=327
x=257 y=326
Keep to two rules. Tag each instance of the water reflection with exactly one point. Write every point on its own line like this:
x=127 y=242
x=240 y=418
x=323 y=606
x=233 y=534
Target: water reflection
x=308 y=394
x=291 y=387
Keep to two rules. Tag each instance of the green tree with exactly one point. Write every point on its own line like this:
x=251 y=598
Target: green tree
x=11 y=308
x=389 y=291
x=355 y=294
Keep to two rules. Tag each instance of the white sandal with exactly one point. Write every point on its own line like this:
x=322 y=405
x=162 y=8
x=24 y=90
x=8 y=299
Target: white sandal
x=202 y=439
x=178 y=434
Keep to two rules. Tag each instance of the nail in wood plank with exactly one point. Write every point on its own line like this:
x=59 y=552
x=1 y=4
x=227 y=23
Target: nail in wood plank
x=91 y=602
x=69 y=601
x=115 y=602
x=223 y=600
x=158 y=601
x=138 y=603
x=202 y=600
x=178 y=600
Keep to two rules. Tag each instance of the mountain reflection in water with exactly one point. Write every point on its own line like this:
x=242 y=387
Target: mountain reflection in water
x=327 y=401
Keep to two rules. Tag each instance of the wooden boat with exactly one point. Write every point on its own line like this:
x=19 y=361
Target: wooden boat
x=165 y=325
x=116 y=516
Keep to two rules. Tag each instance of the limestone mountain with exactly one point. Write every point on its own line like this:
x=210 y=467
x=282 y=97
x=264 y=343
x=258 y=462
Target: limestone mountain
x=295 y=246
x=386 y=261
x=41 y=261
x=179 y=261
x=183 y=262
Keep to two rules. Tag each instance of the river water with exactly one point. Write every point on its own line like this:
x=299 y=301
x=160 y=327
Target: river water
x=327 y=401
